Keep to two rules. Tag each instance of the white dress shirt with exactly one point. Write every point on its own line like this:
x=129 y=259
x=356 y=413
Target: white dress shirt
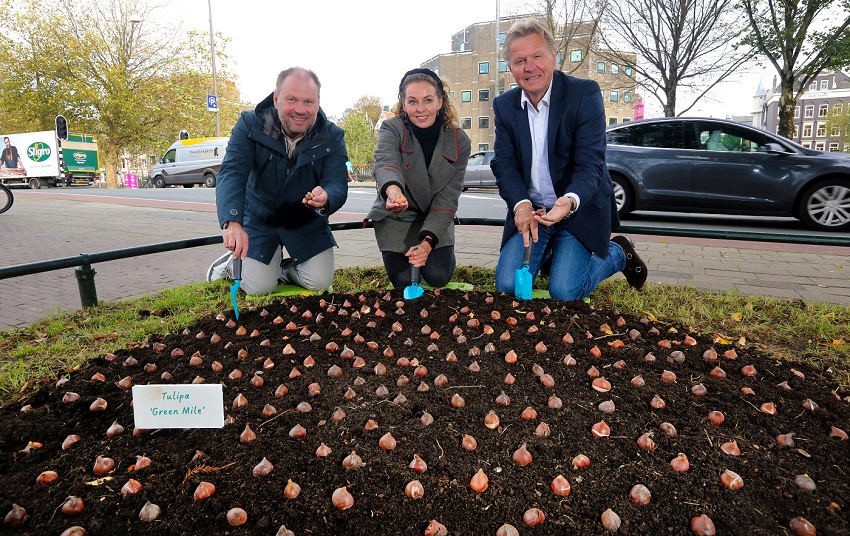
x=542 y=192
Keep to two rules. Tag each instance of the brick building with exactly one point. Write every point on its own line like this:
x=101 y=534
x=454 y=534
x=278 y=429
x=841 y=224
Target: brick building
x=826 y=95
x=469 y=69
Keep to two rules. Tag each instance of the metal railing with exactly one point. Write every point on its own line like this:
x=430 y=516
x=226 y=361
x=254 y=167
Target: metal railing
x=84 y=272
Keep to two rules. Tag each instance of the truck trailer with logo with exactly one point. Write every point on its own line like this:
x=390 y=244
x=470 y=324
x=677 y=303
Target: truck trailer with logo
x=37 y=160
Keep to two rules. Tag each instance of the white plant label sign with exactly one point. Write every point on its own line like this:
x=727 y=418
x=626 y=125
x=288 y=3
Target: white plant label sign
x=178 y=406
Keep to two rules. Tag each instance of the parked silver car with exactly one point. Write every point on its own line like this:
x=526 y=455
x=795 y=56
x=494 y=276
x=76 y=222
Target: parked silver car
x=722 y=167
x=478 y=172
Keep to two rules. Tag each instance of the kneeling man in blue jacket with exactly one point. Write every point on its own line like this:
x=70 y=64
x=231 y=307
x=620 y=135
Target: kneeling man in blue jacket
x=283 y=173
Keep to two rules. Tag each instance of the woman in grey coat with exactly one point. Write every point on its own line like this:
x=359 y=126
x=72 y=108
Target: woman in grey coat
x=419 y=166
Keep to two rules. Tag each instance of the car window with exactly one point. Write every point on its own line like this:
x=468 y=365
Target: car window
x=170 y=157
x=476 y=160
x=488 y=157
x=664 y=135
x=720 y=137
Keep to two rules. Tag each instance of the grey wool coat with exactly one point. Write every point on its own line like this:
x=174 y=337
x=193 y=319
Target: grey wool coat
x=432 y=192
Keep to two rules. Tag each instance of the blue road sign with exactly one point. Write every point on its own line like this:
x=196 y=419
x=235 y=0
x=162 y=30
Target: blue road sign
x=212 y=103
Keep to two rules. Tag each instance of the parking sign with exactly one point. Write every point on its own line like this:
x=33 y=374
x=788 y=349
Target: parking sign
x=212 y=103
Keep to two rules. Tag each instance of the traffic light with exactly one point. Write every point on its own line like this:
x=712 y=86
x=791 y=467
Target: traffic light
x=61 y=127
x=184 y=135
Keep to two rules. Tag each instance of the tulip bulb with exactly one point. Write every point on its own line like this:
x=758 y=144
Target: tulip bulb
x=342 y=499
x=46 y=478
x=522 y=456
x=702 y=525
x=236 y=517
x=468 y=443
x=418 y=464
x=716 y=417
x=16 y=516
x=491 y=420
x=640 y=494
x=601 y=429
x=352 y=461
x=533 y=517
x=247 y=435
x=204 y=491
x=323 y=451
x=802 y=527
x=292 y=490
x=731 y=479
x=149 y=512
x=263 y=468
x=786 y=440
x=645 y=441
x=387 y=442
x=560 y=486
x=73 y=506
x=680 y=463
x=414 y=489
x=131 y=487
x=542 y=430
x=507 y=530
x=435 y=528
x=580 y=461
x=479 y=481
x=610 y=520
x=103 y=465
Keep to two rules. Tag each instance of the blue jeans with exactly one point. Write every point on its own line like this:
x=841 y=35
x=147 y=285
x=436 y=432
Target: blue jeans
x=575 y=270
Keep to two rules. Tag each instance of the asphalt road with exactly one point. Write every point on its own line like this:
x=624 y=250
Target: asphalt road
x=486 y=203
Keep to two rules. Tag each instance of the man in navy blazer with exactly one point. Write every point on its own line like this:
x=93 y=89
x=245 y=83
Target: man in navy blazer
x=550 y=170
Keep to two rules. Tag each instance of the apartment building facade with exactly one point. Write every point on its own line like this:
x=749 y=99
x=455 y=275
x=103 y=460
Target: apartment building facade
x=826 y=95
x=475 y=73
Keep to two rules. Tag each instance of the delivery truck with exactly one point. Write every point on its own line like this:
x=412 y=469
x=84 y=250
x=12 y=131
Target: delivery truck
x=37 y=160
x=189 y=162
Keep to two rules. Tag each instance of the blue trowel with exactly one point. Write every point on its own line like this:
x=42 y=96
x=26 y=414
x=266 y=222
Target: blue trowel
x=522 y=277
x=413 y=291
x=236 y=271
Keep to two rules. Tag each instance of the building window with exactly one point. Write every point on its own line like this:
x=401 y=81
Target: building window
x=615 y=95
x=513 y=86
x=796 y=131
x=503 y=66
x=483 y=121
x=466 y=123
x=836 y=108
x=807 y=145
x=821 y=132
x=836 y=131
x=810 y=111
x=462 y=47
x=814 y=86
x=833 y=147
x=615 y=68
x=612 y=121
x=822 y=110
x=626 y=119
x=559 y=59
x=627 y=96
x=483 y=146
x=628 y=70
x=483 y=95
x=600 y=67
x=796 y=112
x=820 y=146
x=502 y=37
x=466 y=96
x=483 y=67
x=575 y=55
x=824 y=85
x=437 y=71
x=807 y=130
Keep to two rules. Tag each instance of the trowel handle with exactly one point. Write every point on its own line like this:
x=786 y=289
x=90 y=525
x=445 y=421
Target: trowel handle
x=529 y=251
x=236 y=268
x=414 y=274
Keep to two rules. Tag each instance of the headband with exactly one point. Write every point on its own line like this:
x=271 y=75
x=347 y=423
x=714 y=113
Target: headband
x=427 y=72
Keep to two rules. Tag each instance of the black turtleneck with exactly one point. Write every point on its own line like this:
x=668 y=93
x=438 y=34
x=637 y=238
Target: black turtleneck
x=428 y=137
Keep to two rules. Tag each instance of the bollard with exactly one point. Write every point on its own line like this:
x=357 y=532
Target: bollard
x=85 y=282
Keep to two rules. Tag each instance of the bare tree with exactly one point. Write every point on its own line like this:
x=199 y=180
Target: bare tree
x=574 y=24
x=681 y=45
x=800 y=38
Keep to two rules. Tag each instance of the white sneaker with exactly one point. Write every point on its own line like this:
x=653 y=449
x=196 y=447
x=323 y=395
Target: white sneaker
x=220 y=269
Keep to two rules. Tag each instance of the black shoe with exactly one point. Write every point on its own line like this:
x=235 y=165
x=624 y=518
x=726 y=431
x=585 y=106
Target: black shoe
x=635 y=270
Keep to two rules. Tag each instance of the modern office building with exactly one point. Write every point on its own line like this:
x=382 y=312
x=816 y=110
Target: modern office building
x=475 y=73
x=826 y=95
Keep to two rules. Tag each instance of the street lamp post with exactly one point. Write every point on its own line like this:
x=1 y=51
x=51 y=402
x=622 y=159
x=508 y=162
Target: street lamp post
x=215 y=82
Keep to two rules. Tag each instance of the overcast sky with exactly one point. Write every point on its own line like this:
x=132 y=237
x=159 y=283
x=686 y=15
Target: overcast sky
x=364 y=47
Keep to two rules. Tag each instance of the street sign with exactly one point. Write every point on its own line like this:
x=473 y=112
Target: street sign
x=212 y=103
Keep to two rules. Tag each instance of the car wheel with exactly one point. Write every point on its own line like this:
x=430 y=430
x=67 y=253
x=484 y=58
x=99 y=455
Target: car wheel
x=35 y=184
x=209 y=180
x=158 y=182
x=825 y=206
x=623 y=195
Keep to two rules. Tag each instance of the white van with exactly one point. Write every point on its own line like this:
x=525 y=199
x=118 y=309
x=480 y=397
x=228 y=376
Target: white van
x=192 y=161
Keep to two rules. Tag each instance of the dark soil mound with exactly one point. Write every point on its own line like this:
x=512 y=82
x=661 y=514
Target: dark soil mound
x=416 y=342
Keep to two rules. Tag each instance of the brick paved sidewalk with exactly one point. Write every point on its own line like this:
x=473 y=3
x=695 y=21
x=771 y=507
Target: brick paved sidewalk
x=42 y=227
